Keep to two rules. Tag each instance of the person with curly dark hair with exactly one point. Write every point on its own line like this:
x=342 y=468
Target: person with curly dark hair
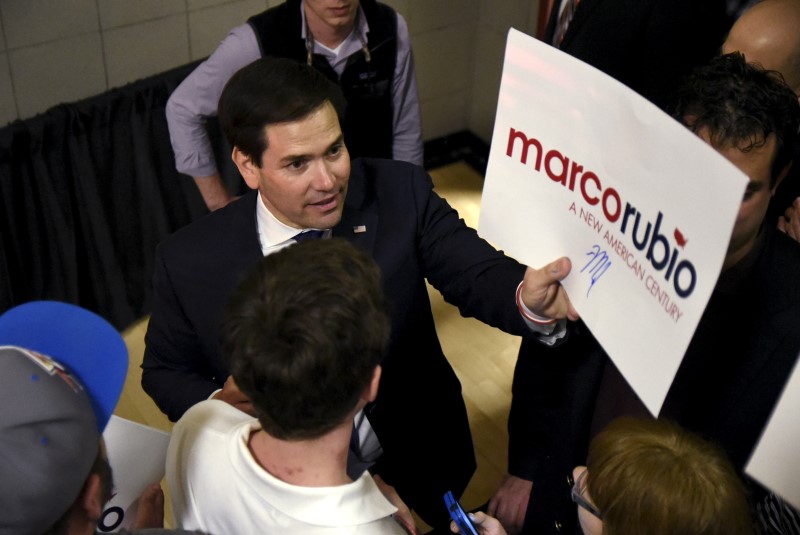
x=746 y=343
x=746 y=113
x=767 y=35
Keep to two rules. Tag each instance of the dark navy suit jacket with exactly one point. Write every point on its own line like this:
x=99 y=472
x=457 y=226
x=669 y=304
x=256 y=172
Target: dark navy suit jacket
x=419 y=414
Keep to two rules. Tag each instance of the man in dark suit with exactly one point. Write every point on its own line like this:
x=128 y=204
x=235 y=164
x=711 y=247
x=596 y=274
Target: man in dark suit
x=281 y=117
x=648 y=45
x=746 y=343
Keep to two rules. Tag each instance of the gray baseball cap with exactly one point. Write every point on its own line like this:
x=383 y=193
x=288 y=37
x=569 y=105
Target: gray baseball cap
x=62 y=369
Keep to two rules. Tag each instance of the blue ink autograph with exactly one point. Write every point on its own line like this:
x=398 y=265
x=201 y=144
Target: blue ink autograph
x=598 y=264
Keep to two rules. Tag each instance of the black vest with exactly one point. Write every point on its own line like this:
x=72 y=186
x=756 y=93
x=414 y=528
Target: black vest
x=367 y=87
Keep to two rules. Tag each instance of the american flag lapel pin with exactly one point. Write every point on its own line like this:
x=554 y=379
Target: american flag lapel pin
x=360 y=229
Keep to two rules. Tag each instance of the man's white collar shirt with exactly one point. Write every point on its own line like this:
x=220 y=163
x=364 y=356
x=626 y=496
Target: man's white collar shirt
x=273 y=235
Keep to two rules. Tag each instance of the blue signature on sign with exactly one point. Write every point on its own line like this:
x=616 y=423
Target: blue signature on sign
x=598 y=264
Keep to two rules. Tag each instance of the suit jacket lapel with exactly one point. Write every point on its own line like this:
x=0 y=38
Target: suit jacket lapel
x=245 y=243
x=357 y=226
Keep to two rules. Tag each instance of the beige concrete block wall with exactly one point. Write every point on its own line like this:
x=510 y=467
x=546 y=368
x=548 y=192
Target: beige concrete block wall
x=54 y=51
x=495 y=20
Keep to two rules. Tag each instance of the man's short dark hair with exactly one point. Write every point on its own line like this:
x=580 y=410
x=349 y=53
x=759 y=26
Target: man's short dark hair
x=271 y=91
x=303 y=333
x=741 y=105
x=102 y=468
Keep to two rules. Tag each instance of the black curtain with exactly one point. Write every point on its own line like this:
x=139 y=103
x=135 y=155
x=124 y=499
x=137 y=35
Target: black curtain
x=87 y=190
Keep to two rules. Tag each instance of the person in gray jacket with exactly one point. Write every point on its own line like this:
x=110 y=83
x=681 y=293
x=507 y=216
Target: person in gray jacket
x=361 y=45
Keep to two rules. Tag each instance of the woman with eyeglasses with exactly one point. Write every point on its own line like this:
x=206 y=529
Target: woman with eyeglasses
x=651 y=477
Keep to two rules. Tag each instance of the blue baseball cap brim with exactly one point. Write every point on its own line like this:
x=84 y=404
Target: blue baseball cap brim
x=88 y=345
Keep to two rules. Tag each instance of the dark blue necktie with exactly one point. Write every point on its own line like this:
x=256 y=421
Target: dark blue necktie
x=356 y=465
x=308 y=235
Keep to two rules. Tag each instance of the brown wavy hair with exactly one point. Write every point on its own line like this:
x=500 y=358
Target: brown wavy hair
x=651 y=477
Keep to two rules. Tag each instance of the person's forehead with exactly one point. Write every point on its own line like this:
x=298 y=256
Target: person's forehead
x=740 y=151
x=756 y=161
x=321 y=125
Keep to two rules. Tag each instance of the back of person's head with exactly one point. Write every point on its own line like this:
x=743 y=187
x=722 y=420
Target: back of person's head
x=304 y=333
x=767 y=34
x=651 y=477
x=272 y=91
x=62 y=369
x=740 y=105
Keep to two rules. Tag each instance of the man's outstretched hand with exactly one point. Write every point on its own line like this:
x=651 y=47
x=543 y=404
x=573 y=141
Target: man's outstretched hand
x=543 y=294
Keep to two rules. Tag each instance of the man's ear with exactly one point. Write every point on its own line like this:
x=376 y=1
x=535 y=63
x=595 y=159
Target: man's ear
x=247 y=167
x=91 y=500
x=781 y=176
x=371 y=391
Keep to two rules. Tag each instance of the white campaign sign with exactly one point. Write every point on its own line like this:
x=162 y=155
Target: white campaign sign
x=137 y=455
x=774 y=461
x=581 y=166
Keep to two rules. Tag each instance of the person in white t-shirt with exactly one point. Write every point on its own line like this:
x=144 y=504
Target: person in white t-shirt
x=304 y=333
